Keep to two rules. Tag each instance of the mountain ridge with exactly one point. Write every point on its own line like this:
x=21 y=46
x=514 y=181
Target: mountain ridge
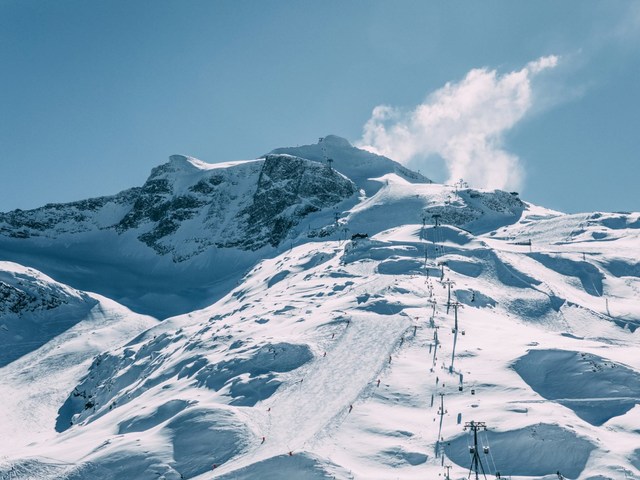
x=325 y=351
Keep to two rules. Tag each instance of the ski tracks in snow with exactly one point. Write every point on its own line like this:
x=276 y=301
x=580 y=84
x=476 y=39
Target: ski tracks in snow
x=296 y=417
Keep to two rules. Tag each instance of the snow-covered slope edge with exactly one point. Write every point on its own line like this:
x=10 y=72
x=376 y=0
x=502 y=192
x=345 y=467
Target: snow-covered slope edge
x=33 y=309
x=361 y=166
x=280 y=377
x=198 y=226
x=330 y=357
x=191 y=224
x=50 y=334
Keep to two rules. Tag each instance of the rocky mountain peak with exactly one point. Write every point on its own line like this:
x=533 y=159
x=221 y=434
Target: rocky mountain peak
x=363 y=167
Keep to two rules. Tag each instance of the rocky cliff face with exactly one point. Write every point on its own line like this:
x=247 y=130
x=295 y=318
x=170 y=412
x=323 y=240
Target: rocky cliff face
x=289 y=188
x=246 y=206
x=478 y=211
x=24 y=291
x=193 y=225
x=365 y=168
x=56 y=219
x=186 y=206
x=33 y=309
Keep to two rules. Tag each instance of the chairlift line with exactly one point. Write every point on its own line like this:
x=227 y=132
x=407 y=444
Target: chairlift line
x=327 y=160
x=448 y=283
x=441 y=412
x=476 y=461
x=489 y=452
x=455 y=306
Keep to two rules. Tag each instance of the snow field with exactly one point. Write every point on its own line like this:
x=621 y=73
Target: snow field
x=548 y=358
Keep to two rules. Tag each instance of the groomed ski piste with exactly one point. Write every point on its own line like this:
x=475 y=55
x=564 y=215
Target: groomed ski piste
x=338 y=356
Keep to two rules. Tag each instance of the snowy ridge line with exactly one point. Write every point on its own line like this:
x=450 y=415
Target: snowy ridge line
x=245 y=359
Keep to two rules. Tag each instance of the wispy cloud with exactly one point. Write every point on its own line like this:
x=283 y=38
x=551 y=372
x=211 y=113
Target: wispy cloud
x=628 y=27
x=463 y=123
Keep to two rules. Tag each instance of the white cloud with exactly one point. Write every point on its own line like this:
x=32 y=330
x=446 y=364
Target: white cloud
x=463 y=123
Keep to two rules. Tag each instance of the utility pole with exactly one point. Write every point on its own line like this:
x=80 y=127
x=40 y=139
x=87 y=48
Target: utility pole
x=324 y=152
x=436 y=221
x=447 y=475
x=432 y=322
x=435 y=346
x=442 y=412
x=476 y=461
x=423 y=236
x=442 y=264
x=455 y=306
x=448 y=283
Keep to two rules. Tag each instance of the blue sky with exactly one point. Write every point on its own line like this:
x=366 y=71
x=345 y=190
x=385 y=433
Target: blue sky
x=94 y=94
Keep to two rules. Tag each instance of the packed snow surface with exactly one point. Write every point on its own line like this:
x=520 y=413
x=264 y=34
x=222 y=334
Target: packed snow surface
x=361 y=325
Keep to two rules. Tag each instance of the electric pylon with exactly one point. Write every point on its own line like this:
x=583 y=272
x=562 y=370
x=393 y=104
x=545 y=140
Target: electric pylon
x=476 y=461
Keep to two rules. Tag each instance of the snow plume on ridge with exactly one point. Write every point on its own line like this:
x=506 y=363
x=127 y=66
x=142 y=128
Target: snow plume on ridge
x=463 y=123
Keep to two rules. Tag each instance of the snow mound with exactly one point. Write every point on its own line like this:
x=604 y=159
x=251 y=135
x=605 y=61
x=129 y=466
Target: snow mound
x=535 y=451
x=589 y=276
x=118 y=464
x=399 y=203
x=145 y=421
x=596 y=389
x=119 y=377
x=622 y=268
x=399 y=457
x=300 y=466
x=548 y=227
x=203 y=437
x=477 y=211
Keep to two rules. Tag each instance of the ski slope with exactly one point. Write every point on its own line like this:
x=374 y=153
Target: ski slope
x=340 y=378
x=332 y=357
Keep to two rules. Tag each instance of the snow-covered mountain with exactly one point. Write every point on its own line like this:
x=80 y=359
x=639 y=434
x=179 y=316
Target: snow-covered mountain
x=34 y=309
x=341 y=320
x=49 y=334
x=191 y=221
